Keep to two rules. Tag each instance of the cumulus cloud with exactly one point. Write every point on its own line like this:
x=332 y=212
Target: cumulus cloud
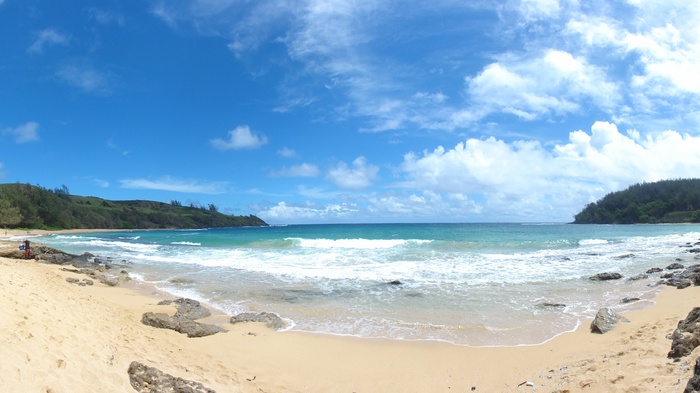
x=239 y=138
x=168 y=183
x=308 y=211
x=45 y=38
x=554 y=83
x=360 y=175
x=27 y=132
x=524 y=176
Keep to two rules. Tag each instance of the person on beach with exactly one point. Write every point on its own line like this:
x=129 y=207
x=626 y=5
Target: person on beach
x=27 y=250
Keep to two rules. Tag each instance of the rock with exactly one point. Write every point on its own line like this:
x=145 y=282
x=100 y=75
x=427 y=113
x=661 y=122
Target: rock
x=190 y=309
x=675 y=266
x=638 y=277
x=654 y=270
x=145 y=379
x=72 y=280
x=630 y=299
x=679 y=283
x=624 y=256
x=183 y=321
x=693 y=385
x=686 y=336
x=605 y=321
x=270 y=320
x=694 y=250
x=395 y=282
x=180 y=325
x=553 y=305
x=606 y=276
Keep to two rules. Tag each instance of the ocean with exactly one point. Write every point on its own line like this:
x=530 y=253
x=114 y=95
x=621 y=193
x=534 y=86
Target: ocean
x=466 y=284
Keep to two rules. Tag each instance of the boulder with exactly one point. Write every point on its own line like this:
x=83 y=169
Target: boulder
x=675 y=266
x=686 y=337
x=654 y=270
x=606 y=276
x=605 y=321
x=145 y=379
x=270 y=320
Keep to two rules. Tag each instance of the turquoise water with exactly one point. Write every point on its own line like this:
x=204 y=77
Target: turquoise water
x=468 y=284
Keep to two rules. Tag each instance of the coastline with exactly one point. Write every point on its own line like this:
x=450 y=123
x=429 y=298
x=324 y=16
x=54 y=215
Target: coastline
x=60 y=337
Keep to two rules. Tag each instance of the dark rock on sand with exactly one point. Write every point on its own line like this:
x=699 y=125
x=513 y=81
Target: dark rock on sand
x=51 y=255
x=606 y=276
x=605 y=321
x=686 y=336
x=180 y=325
x=270 y=320
x=630 y=299
x=145 y=379
x=190 y=309
x=183 y=321
x=693 y=385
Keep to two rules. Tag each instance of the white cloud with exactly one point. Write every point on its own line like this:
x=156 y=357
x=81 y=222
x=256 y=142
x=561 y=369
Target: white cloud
x=176 y=185
x=84 y=77
x=27 y=132
x=45 y=38
x=360 y=175
x=539 y=9
x=239 y=138
x=308 y=211
x=524 y=176
x=554 y=83
x=301 y=170
x=287 y=152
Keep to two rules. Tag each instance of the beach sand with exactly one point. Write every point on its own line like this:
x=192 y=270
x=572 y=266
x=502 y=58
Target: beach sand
x=59 y=337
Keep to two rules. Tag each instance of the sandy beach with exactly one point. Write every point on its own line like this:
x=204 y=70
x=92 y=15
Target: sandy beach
x=60 y=337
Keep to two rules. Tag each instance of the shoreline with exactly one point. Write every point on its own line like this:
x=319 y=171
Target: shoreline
x=64 y=338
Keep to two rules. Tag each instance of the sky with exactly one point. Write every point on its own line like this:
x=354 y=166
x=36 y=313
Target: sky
x=355 y=111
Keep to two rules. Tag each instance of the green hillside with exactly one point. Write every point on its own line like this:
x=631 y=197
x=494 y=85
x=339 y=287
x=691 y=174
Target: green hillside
x=667 y=201
x=28 y=206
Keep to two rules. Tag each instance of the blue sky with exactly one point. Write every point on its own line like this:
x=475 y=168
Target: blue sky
x=351 y=111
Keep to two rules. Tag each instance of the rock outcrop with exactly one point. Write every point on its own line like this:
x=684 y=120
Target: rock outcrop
x=686 y=337
x=183 y=321
x=145 y=379
x=270 y=320
x=693 y=385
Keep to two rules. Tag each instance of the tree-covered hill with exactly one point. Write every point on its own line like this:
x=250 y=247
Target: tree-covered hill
x=667 y=201
x=28 y=206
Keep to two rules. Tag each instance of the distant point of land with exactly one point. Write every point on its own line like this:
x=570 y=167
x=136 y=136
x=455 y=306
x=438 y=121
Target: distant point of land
x=34 y=207
x=662 y=202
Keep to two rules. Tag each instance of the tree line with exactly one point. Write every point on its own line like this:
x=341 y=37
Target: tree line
x=666 y=201
x=36 y=207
